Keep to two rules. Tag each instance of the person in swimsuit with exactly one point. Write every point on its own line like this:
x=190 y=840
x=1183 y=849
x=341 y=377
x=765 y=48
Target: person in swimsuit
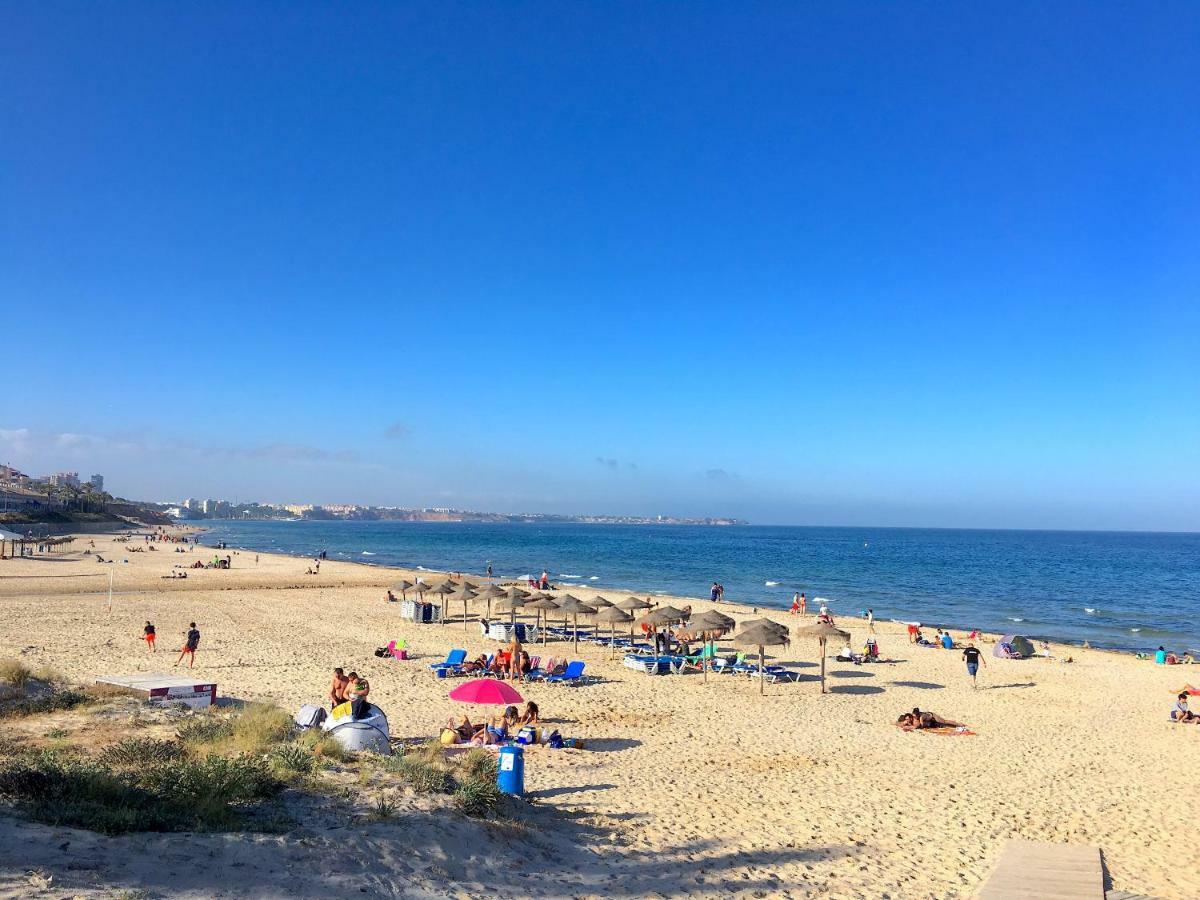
x=148 y=635
x=189 y=649
x=337 y=689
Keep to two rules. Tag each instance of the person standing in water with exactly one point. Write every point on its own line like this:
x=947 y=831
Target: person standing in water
x=795 y=604
x=973 y=658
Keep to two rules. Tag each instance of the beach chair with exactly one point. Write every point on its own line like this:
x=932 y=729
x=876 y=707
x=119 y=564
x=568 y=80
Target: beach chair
x=538 y=672
x=573 y=674
x=454 y=661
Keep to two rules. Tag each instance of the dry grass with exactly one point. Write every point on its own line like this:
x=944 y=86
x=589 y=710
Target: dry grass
x=14 y=673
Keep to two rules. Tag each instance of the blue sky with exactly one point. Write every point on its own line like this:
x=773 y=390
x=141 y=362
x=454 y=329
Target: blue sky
x=877 y=263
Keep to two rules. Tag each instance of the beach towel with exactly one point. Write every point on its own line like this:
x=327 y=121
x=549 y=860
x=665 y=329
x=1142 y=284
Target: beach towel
x=945 y=730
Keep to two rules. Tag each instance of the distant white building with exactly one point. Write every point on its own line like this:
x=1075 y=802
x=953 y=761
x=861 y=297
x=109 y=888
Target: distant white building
x=64 y=479
x=97 y=483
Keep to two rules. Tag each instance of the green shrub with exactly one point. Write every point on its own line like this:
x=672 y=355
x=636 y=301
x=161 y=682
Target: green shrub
x=477 y=796
x=204 y=729
x=177 y=795
x=32 y=706
x=425 y=777
x=136 y=751
x=480 y=764
x=258 y=727
x=293 y=758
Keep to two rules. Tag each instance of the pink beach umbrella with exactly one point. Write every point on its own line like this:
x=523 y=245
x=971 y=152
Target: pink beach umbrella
x=486 y=690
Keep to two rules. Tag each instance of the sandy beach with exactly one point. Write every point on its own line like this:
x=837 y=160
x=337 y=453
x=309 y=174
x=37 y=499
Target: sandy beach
x=684 y=787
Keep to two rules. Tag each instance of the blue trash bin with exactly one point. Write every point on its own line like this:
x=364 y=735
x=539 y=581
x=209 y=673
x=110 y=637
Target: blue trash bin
x=511 y=775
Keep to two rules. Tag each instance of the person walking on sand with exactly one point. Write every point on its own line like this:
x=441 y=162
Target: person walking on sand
x=189 y=649
x=973 y=658
x=870 y=621
x=148 y=636
x=795 y=604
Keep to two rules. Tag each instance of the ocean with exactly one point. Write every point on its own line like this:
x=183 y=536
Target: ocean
x=1127 y=591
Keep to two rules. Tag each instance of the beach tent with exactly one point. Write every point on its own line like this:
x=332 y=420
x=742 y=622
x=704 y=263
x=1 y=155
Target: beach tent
x=369 y=733
x=1013 y=646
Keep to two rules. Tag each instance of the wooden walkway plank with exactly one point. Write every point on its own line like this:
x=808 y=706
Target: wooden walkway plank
x=1032 y=870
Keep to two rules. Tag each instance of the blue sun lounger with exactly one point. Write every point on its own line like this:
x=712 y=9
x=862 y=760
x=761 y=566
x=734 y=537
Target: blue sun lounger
x=572 y=675
x=454 y=661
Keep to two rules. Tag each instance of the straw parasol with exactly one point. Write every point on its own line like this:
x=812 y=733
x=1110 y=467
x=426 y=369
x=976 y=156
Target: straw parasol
x=612 y=615
x=629 y=604
x=512 y=604
x=464 y=594
x=575 y=607
x=543 y=605
x=443 y=590
x=706 y=623
x=403 y=585
x=823 y=631
x=600 y=602
x=769 y=623
x=761 y=636
x=662 y=615
x=490 y=593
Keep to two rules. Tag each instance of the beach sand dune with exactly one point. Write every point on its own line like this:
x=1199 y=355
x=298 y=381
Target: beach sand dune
x=685 y=787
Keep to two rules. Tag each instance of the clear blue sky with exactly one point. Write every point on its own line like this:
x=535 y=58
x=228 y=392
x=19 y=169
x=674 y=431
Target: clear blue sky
x=879 y=263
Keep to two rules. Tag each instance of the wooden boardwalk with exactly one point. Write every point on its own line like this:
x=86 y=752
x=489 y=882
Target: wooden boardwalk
x=1031 y=870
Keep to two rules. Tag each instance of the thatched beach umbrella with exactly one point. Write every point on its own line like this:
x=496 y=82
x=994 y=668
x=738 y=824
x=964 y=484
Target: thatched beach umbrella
x=543 y=605
x=662 y=615
x=769 y=623
x=823 y=631
x=612 y=615
x=629 y=604
x=575 y=608
x=761 y=636
x=444 y=590
x=403 y=585
x=490 y=593
x=464 y=594
x=421 y=587
x=708 y=622
x=600 y=602
x=512 y=604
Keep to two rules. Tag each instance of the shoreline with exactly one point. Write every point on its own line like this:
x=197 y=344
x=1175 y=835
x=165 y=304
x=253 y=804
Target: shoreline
x=1067 y=644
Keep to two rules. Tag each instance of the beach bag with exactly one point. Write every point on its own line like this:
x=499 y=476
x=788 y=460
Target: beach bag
x=556 y=740
x=381 y=651
x=449 y=737
x=309 y=716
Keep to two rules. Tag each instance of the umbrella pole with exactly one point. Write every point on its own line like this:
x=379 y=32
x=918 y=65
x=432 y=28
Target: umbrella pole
x=761 y=652
x=464 y=615
x=822 y=665
x=703 y=658
x=575 y=631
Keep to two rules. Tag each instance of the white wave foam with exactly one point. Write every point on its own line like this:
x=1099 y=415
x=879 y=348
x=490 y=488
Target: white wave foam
x=1090 y=610
x=1015 y=619
x=771 y=583
x=1135 y=629
x=423 y=569
x=594 y=578
x=564 y=575
x=367 y=553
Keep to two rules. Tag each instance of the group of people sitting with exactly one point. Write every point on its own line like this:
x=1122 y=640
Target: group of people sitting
x=870 y=653
x=1164 y=657
x=918 y=719
x=353 y=689
x=495 y=730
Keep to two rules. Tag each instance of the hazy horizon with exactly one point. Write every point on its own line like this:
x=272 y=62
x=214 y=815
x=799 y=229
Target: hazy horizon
x=765 y=262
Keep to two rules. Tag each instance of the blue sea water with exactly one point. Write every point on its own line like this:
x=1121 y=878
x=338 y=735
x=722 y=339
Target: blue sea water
x=1119 y=590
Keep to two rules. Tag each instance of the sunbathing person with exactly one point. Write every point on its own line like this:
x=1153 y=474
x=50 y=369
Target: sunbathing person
x=924 y=719
x=478 y=664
